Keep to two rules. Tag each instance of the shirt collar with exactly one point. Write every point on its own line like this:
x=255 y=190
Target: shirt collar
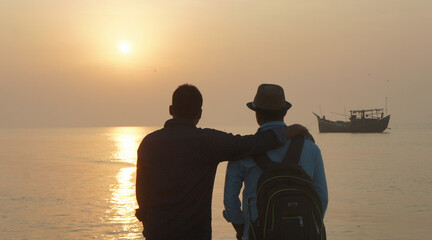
x=175 y=122
x=268 y=125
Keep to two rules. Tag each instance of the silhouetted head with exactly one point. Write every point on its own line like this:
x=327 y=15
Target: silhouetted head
x=186 y=103
x=263 y=116
x=269 y=104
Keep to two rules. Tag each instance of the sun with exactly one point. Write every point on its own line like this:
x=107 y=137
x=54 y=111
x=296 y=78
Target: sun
x=125 y=47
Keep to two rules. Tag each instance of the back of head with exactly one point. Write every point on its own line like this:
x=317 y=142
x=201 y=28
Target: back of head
x=186 y=102
x=264 y=116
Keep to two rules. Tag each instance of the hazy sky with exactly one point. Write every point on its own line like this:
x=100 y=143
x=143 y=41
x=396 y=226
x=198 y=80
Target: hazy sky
x=60 y=62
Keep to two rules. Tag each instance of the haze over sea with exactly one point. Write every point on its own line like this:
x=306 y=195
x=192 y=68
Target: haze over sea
x=78 y=183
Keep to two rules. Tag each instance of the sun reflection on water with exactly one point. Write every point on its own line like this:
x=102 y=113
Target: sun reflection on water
x=126 y=141
x=123 y=203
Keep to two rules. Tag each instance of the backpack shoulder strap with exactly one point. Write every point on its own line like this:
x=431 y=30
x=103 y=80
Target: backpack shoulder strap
x=291 y=157
x=293 y=154
x=263 y=161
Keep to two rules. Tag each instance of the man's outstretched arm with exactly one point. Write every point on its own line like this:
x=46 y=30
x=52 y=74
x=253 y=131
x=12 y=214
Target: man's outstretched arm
x=227 y=147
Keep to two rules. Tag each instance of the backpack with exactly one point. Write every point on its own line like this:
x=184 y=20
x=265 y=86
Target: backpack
x=287 y=202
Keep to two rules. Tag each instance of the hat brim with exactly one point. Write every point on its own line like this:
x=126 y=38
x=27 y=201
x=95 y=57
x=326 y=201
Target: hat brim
x=252 y=107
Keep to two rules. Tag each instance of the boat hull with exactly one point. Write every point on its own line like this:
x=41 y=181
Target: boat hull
x=354 y=126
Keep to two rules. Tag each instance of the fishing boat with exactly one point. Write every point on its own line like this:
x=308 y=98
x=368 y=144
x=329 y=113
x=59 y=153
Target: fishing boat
x=361 y=121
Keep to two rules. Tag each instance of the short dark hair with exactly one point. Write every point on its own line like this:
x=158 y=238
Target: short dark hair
x=186 y=101
x=274 y=115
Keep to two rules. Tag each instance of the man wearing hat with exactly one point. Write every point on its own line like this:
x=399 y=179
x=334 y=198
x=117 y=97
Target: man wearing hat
x=270 y=109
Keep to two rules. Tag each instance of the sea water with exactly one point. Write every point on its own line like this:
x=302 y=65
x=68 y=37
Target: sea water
x=79 y=183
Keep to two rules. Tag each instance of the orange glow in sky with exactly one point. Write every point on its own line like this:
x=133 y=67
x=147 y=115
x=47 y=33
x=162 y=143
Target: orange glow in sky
x=80 y=63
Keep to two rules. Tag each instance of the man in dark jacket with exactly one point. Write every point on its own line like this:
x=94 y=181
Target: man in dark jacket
x=177 y=165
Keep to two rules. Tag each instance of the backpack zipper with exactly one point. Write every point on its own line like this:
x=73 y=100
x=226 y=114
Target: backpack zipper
x=300 y=218
x=268 y=206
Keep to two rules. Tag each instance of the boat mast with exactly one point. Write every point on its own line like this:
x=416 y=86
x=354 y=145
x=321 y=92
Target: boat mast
x=386 y=107
x=345 y=113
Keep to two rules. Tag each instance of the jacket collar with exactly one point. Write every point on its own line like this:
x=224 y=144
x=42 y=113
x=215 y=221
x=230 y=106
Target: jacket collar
x=177 y=122
x=269 y=125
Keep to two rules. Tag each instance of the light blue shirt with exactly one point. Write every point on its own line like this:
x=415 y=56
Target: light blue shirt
x=247 y=171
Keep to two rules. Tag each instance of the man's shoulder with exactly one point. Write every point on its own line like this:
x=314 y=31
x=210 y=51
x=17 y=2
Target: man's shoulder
x=151 y=137
x=310 y=144
x=311 y=147
x=153 y=134
x=211 y=131
x=169 y=133
x=215 y=135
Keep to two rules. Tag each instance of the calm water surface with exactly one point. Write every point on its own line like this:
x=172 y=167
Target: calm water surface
x=78 y=183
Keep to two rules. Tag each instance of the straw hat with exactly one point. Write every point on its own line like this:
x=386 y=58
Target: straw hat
x=269 y=97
